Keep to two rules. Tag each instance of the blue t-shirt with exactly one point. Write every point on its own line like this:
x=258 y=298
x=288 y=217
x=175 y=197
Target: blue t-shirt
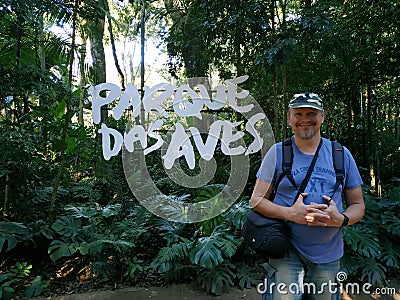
x=317 y=243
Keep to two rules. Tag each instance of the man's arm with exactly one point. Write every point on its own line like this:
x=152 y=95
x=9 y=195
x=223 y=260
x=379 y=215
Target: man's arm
x=355 y=205
x=296 y=213
x=354 y=211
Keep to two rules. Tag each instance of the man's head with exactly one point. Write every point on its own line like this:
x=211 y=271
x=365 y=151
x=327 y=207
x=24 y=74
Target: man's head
x=305 y=115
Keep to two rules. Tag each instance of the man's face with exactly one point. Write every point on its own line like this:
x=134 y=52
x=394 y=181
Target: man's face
x=305 y=122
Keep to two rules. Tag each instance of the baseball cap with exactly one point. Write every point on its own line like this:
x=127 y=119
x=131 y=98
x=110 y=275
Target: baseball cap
x=306 y=100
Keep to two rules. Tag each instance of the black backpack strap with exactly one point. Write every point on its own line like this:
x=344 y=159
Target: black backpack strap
x=275 y=187
x=287 y=160
x=338 y=163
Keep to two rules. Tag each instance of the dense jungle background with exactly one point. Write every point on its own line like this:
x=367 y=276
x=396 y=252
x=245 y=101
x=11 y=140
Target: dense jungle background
x=69 y=221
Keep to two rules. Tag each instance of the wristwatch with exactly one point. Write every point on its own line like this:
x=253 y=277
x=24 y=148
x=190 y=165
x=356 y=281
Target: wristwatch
x=345 y=220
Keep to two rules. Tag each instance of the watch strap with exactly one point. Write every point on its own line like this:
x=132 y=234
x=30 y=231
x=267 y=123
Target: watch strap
x=345 y=220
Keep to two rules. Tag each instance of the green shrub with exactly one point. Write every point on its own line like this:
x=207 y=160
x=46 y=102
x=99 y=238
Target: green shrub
x=210 y=252
x=372 y=251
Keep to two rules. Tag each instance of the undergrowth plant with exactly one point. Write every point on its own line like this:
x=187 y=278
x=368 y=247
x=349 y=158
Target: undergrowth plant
x=18 y=278
x=100 y=232
x=372 y=251
x=211 y=252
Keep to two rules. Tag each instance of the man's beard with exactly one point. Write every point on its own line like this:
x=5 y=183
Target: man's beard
x=306 y=135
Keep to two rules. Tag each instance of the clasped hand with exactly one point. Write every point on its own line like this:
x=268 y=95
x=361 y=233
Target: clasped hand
x=315 y=214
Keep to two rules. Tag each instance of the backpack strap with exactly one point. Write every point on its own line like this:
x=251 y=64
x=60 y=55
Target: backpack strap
x=287 y=160
x=338 y=163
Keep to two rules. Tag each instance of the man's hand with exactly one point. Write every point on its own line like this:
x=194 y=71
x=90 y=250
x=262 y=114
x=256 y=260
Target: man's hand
x=313 y=214
x=335 y=218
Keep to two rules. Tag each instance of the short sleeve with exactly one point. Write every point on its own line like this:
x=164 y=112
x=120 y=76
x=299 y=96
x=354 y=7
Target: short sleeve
x=352 y=175
x=267 y=170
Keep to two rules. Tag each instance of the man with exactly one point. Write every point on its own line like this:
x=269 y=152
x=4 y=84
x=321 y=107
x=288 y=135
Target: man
x=317 y=215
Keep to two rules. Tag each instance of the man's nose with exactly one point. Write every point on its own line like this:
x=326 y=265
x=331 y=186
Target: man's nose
x=305 y=117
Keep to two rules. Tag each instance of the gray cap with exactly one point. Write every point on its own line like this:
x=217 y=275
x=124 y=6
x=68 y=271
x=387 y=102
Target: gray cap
x=310 y=100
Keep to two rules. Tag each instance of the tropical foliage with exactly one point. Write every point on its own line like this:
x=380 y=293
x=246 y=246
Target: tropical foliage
x=67 y=215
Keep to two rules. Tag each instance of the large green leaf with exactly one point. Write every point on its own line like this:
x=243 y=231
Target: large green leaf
x=390 y=255
x=91 y=248
x=237 y=213
x=247 y=276
x=60 y=110
x=218 y=279
x=170 y=256
x=208 y=192
x=5 y=285
x=373 y=272
x=60 y=249
x=111 y=210
x=360 y=240
x=208 y=226
x=37 y=287
x=395 y=195
x=230 y=246
x=11 y=233
x=98 y=246
x=67 y=226
x=81 y=211
x=207 y=252
x=391 y=222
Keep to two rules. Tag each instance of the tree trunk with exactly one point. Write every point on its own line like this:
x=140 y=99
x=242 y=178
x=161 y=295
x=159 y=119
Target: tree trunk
x=114 y=51
x=276 y=102
x=284 y=74
x=6 y=196
x=195 y=64
x=82 y=78
x=19 y=41
x=285 y=99
x=371 y=155
x=41 y=53
x=142 y=47
x=53 y=201
x=274 y=72
x=16 y=99
x=95 y=35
